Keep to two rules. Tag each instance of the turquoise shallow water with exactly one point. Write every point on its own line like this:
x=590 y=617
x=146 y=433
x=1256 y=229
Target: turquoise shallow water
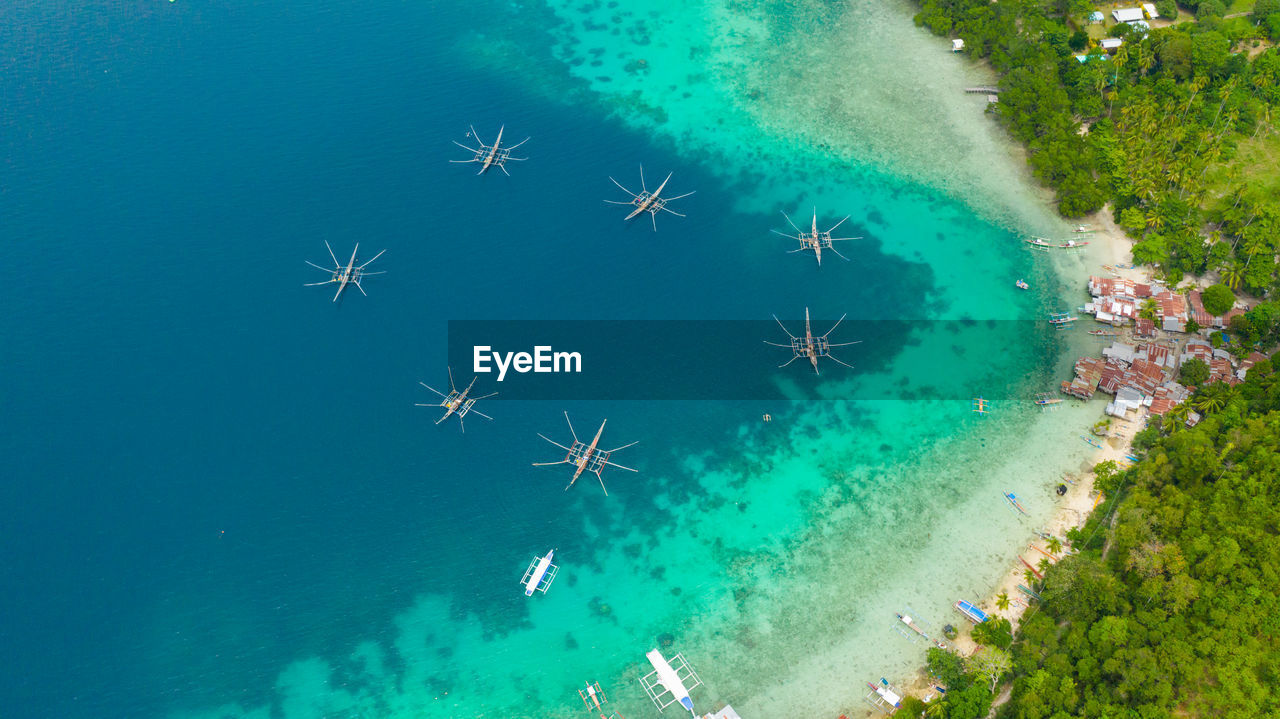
x=227 y=504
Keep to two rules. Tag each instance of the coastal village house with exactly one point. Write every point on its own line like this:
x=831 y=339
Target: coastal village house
x=1143 y=374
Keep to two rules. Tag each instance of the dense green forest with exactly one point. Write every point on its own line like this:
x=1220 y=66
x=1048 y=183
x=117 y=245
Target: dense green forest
x=1171 y=604
x=1174 y=130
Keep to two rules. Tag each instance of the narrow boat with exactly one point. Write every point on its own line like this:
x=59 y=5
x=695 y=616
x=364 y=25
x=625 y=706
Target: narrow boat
x=1022 y=285
x=1046 y=400
x=1081 y=229
x=970 y=612
x=1012 y=499
x=907 y=620
x=1090 y=441
x=1030 y=566
x=1038 y=242
x=1071 y=245
x=1104 y=333
x=1029 y=592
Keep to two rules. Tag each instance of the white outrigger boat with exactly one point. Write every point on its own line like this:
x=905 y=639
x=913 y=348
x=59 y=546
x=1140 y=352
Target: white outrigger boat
x=665 y=685
x=884 y=696
x=540 y=574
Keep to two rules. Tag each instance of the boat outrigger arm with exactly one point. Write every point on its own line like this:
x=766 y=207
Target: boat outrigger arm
x=586 y=457
x=810 y=347
x=494 y=155
x=645 y=201
x=351 y=273
x=456 y=403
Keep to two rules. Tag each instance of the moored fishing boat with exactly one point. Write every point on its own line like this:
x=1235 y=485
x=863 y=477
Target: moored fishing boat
x=1012 y=499
x=970 y=612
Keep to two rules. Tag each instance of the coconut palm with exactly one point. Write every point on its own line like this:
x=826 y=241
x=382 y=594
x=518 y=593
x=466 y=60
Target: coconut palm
x=1178 y=416
x=1055 y=545
x=1002 y=601
x=1146 y=58
x=1209 y=401
x=1232 y=274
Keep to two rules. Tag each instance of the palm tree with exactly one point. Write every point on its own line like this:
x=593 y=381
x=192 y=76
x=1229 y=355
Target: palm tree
x=1233 y=274
x=1146 y=58
x=1178 y=416
x=1154 y=219
x=1055 y=545
x=1210 y=401
x=1002 y=601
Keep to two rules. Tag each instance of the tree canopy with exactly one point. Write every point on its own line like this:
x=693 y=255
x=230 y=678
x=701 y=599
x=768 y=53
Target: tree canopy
x=1171 y=607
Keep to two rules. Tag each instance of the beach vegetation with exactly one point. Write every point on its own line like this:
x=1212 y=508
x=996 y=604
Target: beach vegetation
x=1174 y=130
x=1171 y=608
x=995 y=632
x=1106 y=475
x=991 y=664
x=1002 y=601
x=1054 y=544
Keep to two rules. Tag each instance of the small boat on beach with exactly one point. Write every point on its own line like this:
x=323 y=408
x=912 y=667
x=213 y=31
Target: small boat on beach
x=1030 y=566
x=1091 y=441
x=970 y=612
x=1104 y=333
x=1029 y=592
x=1012 y=499
x=1022 y=285
x=1082 y=229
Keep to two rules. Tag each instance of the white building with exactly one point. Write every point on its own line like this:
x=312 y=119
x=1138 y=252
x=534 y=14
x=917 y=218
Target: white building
x=1150 y=10
x=1127 y=14
x=1111 y=43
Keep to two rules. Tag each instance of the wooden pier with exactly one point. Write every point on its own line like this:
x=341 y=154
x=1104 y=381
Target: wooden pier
x=983 y=90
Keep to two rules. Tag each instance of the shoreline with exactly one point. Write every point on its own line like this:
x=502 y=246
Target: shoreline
x=1073 y=511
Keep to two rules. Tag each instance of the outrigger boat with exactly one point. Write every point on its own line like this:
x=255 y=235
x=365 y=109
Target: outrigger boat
x=1082 y=229
x=593 y=697
x=1012 y=499
x=1029 y=592
x=1042 y=243
x=540 y=574
x=980 y=405
x=910 y=623
x=1045 y=399
x=1091 y=441
x=970 y=612
x=665 y=685
x=884 y=696
x=1104 y=333
x=1022 y=285
x=1061 y=320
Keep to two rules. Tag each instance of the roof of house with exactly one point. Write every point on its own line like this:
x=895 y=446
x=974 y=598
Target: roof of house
x=1110 y=43
x=1127 y=14
x=1151 y=10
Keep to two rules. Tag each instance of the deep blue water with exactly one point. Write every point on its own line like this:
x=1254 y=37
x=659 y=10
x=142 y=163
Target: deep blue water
x=212 y=470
